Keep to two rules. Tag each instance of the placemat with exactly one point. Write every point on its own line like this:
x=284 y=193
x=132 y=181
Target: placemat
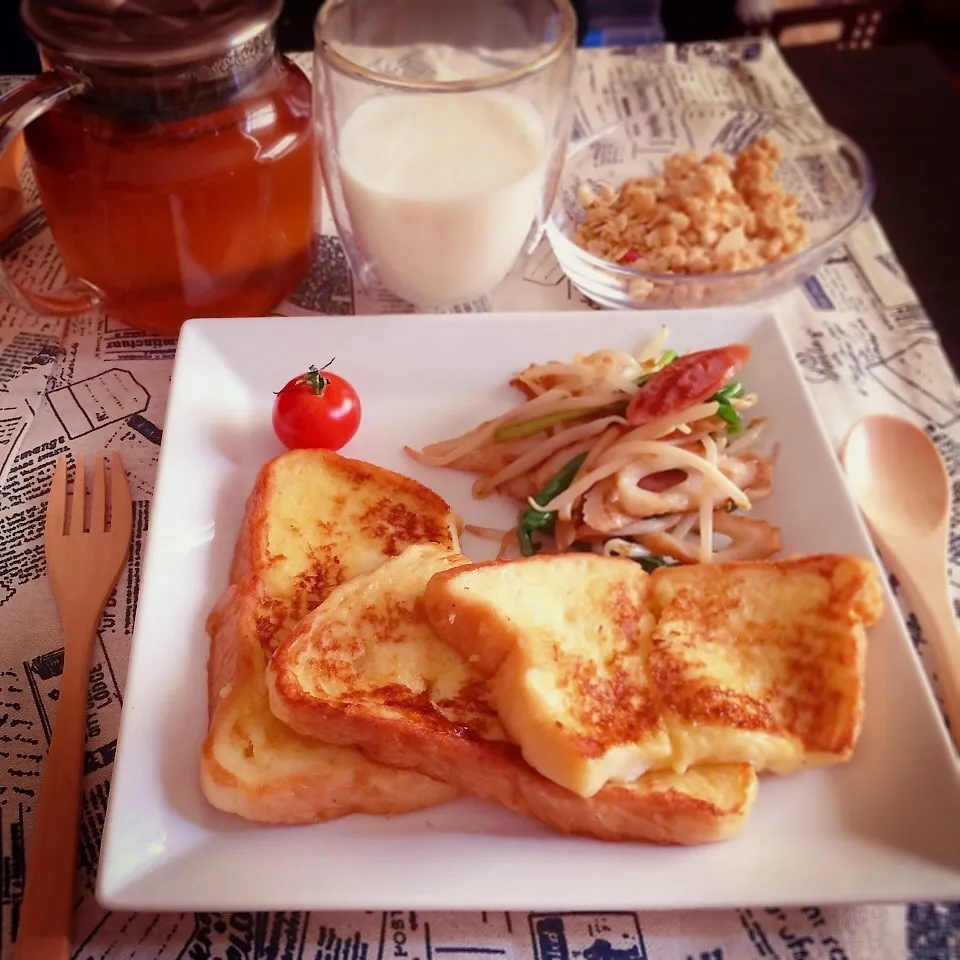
x=864 y=344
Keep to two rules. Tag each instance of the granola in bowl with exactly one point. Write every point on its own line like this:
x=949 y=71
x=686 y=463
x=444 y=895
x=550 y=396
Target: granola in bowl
x=634 y=227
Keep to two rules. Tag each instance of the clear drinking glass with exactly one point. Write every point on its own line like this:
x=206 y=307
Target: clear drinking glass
x=442 y=129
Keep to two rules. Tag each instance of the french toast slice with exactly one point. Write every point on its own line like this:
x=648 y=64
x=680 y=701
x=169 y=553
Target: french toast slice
x=758 y=663
x=366 y=669
x=314 y=519
x=764 y=662
x=563 y=642
x=255 y=766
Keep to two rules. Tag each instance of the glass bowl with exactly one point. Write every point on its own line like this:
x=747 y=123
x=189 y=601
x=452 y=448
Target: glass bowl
x=828 y=171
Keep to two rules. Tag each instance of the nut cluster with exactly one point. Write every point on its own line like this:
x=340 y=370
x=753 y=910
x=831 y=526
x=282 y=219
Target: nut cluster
x=699 y=216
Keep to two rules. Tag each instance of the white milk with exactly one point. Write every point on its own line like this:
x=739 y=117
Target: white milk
x=442 y=189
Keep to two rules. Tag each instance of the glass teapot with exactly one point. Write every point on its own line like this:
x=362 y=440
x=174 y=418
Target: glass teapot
x=173 y=155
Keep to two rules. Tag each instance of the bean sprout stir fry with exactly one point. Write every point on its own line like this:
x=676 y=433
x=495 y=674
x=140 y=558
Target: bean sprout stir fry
x=648 y=457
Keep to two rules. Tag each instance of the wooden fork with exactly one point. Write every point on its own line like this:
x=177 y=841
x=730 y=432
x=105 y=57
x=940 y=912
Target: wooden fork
x=83 y=566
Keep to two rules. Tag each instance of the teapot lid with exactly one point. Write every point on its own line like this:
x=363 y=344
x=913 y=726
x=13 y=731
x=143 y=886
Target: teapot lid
x=145 y=33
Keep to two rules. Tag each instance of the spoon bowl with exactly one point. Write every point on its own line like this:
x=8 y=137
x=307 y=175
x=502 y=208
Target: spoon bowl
x=903 y=487
x=897 y=475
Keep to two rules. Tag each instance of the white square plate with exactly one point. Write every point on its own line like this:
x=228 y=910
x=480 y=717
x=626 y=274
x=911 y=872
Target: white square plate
x=883 y=827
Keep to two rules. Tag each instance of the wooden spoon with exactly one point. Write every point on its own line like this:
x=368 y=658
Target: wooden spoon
x=902 y=485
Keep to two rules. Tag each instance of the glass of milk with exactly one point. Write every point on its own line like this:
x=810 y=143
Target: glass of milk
x=442 y=126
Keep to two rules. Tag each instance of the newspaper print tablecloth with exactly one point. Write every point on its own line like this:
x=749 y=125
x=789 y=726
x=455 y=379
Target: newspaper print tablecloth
x=863 y=342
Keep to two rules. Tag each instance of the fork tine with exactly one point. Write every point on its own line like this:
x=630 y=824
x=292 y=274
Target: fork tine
x=98 y=499
x=57 y=504
x=121 y=508
x=77 y=504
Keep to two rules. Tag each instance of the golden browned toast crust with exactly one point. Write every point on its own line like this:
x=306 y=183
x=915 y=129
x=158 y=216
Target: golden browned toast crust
x=407 y=513
x=568 y=638
x=754 y=662
x=658 y=808
x=359 y=503
x=612 y=705
x=286 y=777
x=251 y=763
x=822 y=649
x=429 y=712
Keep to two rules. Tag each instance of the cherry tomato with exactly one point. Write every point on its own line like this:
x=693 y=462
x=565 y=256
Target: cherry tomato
x=316 y=409
x=690 y=379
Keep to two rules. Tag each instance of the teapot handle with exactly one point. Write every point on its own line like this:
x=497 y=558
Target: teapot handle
x=17 y=110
